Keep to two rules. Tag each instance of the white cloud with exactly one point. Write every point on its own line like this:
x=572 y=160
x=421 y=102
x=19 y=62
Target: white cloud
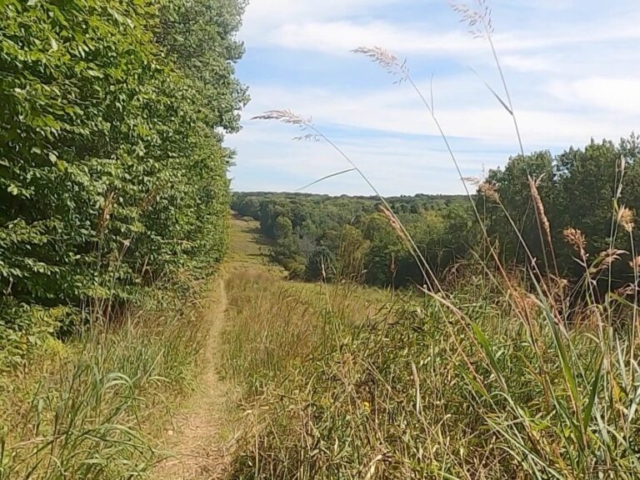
x=397 y=110
x=338 y=38
x=617 y=95
x=573 y=67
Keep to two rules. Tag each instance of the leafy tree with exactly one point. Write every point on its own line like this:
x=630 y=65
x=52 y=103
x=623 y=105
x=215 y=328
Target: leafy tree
x=112 y=169
x=282 y=228
x=579 y=188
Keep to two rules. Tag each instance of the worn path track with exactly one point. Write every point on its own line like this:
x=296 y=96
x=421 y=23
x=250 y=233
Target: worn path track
x=203 y=434
x=197 y=441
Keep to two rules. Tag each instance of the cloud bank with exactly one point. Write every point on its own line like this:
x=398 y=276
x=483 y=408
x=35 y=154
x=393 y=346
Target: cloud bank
x=573 y=68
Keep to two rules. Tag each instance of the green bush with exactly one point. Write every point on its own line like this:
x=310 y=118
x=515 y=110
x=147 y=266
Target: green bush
x=112 y=169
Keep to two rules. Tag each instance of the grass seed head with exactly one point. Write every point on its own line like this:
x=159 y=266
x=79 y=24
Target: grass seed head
x=576 y=239
x=607 y=257
x=284 y=116
x=477 y=17
x=385 y=59
x=539 y=206
x=489 y=190
x=625 y=219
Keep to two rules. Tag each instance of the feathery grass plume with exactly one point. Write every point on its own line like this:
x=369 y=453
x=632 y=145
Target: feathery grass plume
x=542 y=217
x=625 y=219
x=489 y=190
x=635 y=263
x=607 y=257
x=477 y=18
x=475 y=181
x=576 y=239
x=313 y=137
x=284 y=116
x=539 y=206
x=386 y=60
x=628 y=289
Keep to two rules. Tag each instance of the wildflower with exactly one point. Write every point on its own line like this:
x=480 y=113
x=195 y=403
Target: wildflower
x=367 y=407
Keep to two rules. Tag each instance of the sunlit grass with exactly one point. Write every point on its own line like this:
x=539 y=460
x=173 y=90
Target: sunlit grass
x=489 y=377
x=96 y=407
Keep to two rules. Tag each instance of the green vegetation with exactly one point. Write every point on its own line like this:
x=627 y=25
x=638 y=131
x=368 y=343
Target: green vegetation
x=518 y=362
x=112 y=172
x=494 y=374
x=318 y=237
x=584 y=189
x=340 y=384
x=114 y=207
x=512 y=356
x=93 y=407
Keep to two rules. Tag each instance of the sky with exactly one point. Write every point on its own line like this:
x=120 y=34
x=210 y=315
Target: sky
x=572 y=67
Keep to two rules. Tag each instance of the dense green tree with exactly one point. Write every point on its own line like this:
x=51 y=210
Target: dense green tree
x=282 y=228
x=580 y=188
x=112 y=169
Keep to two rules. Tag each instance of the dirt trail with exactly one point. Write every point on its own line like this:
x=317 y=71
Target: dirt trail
x=203 y=433
x=197 y=440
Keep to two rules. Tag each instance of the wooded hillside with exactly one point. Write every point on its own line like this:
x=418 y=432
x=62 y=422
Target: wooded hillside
x=319 y=237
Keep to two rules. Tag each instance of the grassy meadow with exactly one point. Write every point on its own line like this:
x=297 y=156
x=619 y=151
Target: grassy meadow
x=483 y=381
x=491 y=336
x=516 y=361
x=96 y=407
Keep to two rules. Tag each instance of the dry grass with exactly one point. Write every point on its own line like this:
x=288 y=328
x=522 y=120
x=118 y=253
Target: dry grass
x=336 y=390
x=484 y=380
x=94 y=407
x=203 y=428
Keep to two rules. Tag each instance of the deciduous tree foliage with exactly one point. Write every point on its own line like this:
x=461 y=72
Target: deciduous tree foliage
x=112 y=169
x=579 y=188
x=321 y=237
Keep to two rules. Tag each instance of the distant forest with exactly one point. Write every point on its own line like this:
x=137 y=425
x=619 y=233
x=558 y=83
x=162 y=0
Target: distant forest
x=571 y=211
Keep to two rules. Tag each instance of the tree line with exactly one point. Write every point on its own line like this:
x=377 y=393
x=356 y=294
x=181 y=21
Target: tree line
x=573 y=211
x=113 y=174
x=524 y=212
x=319 y=237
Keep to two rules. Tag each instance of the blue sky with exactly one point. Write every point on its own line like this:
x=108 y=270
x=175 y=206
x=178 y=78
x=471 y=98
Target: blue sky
x=573 y=67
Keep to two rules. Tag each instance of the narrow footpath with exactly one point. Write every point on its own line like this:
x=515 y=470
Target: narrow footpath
x=199 y=438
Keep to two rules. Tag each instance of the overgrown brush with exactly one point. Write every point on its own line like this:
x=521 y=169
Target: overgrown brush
x=95 y=407
x=275 y=325
x=413 y=392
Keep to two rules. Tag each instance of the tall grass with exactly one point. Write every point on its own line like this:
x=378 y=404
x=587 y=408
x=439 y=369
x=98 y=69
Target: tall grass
x=490 y=378
x=408 y=393
x=94 y=408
